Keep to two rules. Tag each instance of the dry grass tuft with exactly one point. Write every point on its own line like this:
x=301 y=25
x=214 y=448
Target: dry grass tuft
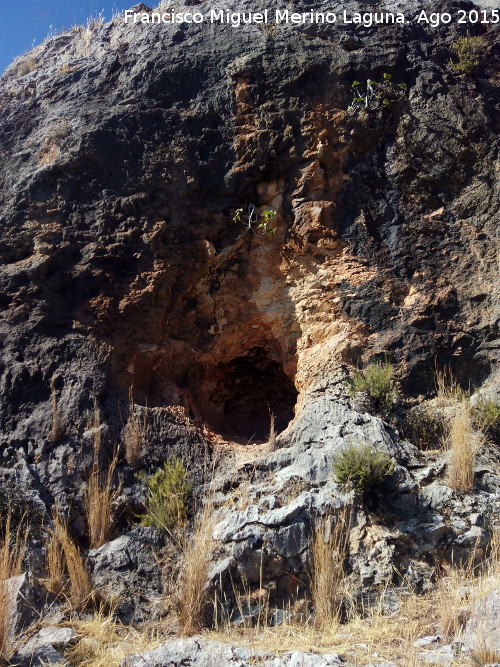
x=191 y=594
x=271 y=442
x=12 y=551
x=103 y=641
x=57 y=427
x=329 y=550
x=463 y=444
x=54 y=563
x=99 y=499
x=448 y=391
x=81 y=591
x=133 y=435
x=100 y=496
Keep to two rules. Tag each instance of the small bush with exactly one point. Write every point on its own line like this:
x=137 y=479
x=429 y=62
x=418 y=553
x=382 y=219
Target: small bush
x=469 y=51
x=423 y=429
x=169 y=490
x=378 y=381
x=486 y=417
x=362 y=467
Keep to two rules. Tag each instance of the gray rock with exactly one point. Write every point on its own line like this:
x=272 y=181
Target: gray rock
x=445 y=655
x=24 y=600
x=44 y=656
x=196 y=652
x=41 y=649
x=482 y=631
x=59 y=637
x=427 y=641
x=126 y=565
x=436 y=495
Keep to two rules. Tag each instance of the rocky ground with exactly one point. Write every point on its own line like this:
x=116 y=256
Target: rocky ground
x=140 y=322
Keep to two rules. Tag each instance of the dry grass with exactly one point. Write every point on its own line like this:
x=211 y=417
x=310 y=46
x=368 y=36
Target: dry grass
x=271 y=442
x=329 y=550
x=57 y=427
x=191 y=586
x=99 y=499
x=104 y=642
x=54 y=563
x=463 y=444
x=81 y=591
x=12 y=550
x=133 y=435
x=100 y=496
x=448 y=391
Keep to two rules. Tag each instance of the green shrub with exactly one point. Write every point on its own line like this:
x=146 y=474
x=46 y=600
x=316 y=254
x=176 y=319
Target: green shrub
x=486 y=417
x=423 y=429
x=362 y=467
x=469 y=51
x=169 y=491
x=378 y=381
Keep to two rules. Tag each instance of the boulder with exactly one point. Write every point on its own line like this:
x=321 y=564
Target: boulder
x=482 y=632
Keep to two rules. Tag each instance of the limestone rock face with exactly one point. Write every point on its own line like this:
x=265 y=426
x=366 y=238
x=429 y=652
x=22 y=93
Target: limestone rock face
x=128 y=292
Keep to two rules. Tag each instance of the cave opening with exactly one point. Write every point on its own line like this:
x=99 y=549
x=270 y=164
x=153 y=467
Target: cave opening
x=243 y=393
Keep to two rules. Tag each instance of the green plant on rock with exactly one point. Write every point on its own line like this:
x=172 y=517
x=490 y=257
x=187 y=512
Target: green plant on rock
x=362 y=467
x=379 y=382
x=168 y=494
x=376 y=94
x=469 y=51
x=251 y=220
x=486 y=417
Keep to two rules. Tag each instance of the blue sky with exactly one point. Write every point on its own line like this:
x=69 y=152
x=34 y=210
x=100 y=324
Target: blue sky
x=25 y=23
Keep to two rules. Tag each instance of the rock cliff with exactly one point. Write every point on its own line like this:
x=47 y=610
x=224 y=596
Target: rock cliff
x=127 y=287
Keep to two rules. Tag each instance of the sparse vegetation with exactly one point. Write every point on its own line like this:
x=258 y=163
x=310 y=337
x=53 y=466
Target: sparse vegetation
x=362 y=467
x=448 y=391
x=379 y=382
x=375 y=94
x=169 y=491
x=486 y=417
x=251 y=220
x=423 y=428
x=26 y=65
x=469 y=51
